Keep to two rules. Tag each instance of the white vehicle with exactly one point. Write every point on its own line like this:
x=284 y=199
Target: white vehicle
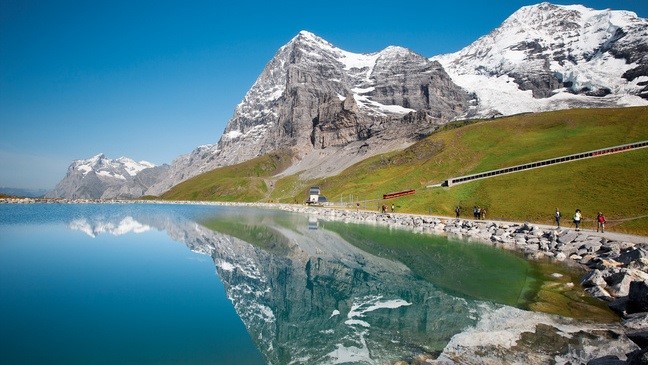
x=313 y=195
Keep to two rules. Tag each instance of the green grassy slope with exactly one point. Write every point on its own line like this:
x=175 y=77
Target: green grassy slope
x=614 y=184
x=244 y=182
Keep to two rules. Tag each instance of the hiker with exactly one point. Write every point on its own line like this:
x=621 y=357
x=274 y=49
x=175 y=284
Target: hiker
x=457 y=211
x=557 y=217
x=600 y=222
x=482 y=213
x=478 y=215
x=383 y=208
x=577 y=219
x=392 y=208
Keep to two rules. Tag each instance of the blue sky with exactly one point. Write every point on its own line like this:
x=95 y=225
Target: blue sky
x=152 y=80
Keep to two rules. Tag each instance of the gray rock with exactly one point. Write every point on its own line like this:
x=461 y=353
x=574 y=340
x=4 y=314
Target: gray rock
x=607 y=360
x=591 y=245
x=619 y=305
x=639 y=357
x=587 y=259
x=593 y=278
x=599 y=292
x=581 y=238
x=640 y=264
x=603 y=264
x=568 y=237
x=619 y=283
x=636 y=321
x=632 y=255
x=638 y=297
x=640 y=337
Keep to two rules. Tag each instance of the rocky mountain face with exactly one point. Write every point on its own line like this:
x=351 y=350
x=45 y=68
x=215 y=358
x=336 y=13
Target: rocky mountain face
x=547 y=57
x=334 y=108
x=102 y=178
x=316 y=99
x=313 y=95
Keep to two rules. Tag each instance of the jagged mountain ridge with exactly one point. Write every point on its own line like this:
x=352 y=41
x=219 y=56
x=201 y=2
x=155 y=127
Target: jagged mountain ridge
x=316 y=99
x=102 y=178
x=543 y=57
x=333 y=108
x=548 y=57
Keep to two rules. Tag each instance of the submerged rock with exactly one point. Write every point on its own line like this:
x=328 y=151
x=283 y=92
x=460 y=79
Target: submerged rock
x=512 y=336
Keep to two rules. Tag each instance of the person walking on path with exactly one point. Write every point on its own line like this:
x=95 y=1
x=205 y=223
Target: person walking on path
x=577 y=219
x=600 y=222
x=457 y=211
x=557 y=216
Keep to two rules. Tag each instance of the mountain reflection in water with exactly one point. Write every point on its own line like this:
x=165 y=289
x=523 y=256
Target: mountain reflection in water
x=325 y=292
x=360 y=293
x=310 y=295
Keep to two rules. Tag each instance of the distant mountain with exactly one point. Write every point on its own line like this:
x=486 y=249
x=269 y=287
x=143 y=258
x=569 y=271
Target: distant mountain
x=28 y=193
x=102 y=178
x=548 y=57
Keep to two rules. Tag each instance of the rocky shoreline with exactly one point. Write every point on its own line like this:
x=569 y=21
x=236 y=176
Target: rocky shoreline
x=617 y=264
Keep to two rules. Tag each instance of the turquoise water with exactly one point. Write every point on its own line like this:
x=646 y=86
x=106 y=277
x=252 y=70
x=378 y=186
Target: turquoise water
x=116 y=298
x=194 y=284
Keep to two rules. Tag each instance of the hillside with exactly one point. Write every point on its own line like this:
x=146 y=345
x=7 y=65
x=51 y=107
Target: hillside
x=244 y=182
x=614 y=184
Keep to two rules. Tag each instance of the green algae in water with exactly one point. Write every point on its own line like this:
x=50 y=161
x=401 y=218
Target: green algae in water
x=470 y=270
x=561 y=294
x=478 y=271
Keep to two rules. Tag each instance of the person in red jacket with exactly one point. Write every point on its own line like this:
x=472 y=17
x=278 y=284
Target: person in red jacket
x=600 y=222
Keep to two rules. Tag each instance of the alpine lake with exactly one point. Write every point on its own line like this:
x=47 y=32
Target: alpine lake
x=208 y=284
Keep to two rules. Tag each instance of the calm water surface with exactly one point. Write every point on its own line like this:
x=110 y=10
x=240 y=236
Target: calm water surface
x=191 y=284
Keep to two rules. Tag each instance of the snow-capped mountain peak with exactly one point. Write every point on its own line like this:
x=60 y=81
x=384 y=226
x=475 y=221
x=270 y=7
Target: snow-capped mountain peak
x=102 y=177
x=305 y=37
x=132 y=167
x=546 y=57
x=106 y=167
